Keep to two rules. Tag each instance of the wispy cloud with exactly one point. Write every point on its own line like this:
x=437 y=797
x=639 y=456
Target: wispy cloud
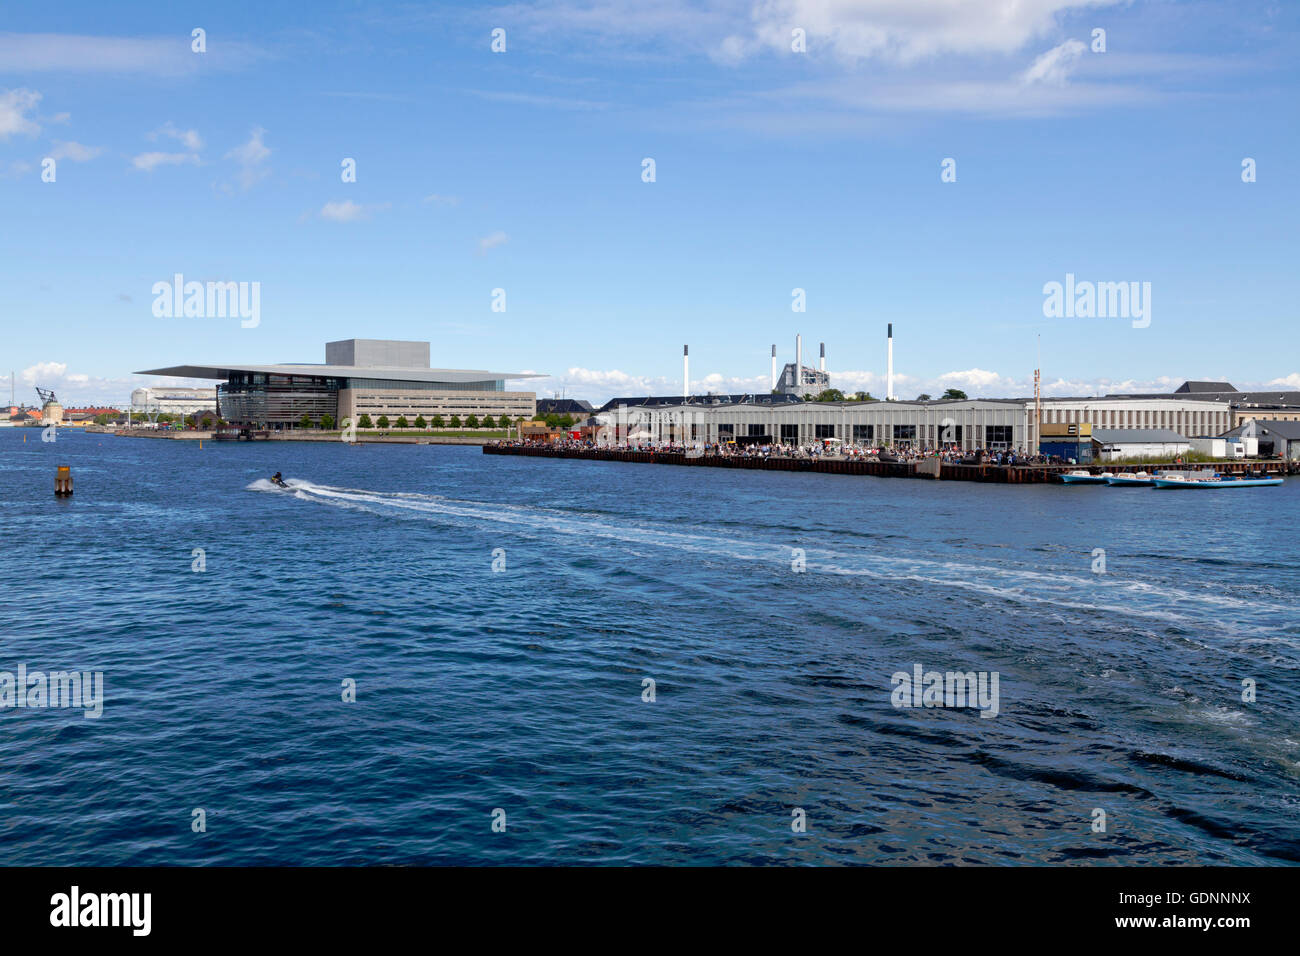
x=492 y=241
x=731 y=31
x=15 y=105
x=1054 y=66
x=75 y=152
x=251 y=158
x=540 y=99
x=148 y=162
x=26 y=53
x=349 y=211
x=189 y=138
x=441 y=200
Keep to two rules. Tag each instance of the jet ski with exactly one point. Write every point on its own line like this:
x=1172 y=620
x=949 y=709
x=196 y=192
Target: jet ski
x=278 y=481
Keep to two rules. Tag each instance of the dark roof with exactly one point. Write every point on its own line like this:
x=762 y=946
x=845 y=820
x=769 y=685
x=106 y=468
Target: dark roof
x=1121 y=436
x=761 y=398
x=563 y=406
x=1275 y=399
x=1269 y=428
x=344 y=371
x=1203 y=387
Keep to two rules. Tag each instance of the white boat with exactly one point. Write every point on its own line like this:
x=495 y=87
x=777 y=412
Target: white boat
x=1081 y=477
x=1136 y=479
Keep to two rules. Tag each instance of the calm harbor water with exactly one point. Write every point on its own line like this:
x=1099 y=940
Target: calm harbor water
x=522 y=689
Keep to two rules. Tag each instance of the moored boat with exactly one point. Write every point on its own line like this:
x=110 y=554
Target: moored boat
x=1081 y=477
x=1229 y=481
x=1137 y=478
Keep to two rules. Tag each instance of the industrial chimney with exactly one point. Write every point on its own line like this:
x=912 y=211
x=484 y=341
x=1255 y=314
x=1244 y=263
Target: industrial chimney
x=686 y=373
x=773 y=367
x=798 y=364
x=823 y=360
x=889 y=375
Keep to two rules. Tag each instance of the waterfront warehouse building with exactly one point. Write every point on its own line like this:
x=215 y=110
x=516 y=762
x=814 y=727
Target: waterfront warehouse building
x=173 y=400
x=1116 y=444
x=359 y=377
x=968 y=424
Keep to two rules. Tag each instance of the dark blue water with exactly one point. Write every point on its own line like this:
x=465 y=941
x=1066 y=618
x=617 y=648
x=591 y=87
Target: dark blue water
x=522 y=689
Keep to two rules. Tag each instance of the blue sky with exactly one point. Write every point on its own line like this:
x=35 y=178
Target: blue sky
x=775 y=170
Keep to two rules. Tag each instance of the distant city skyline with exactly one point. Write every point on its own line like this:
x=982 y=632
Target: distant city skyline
x=621 y=180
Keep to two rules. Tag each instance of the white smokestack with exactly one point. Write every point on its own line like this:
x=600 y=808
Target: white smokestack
x=889 y=376
x=798 y=363
x=823 y=361
x=686 y=372
x=774 y=367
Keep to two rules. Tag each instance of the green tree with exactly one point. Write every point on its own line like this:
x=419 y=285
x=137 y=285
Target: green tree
x=327 y=422
x=923 y=397
x=831 y=395
x=305 y=421
x=489 y=421
x=472 y=421
x=402 y=422
x=383 y=421
x=420 y=422
x=862 y=397
x=566 y=421
x=954 y=393
x=438 y=422
x=455 y=421
x=365 y=422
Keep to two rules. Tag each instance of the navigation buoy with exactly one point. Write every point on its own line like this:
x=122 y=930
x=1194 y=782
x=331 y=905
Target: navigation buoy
x=63 y=481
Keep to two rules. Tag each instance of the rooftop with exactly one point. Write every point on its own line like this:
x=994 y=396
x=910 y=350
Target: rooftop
x=385 y=359
x=1120 y=436
x=342 y=371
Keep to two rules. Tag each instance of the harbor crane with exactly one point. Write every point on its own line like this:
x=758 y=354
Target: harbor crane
x=46 y=395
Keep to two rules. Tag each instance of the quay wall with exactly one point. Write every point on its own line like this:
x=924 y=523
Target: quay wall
x=922 y=468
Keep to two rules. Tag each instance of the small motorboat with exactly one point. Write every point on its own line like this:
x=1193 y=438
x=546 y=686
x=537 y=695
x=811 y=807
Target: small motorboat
x=1178 y=481
x=1081 y=477
x=1136 y=479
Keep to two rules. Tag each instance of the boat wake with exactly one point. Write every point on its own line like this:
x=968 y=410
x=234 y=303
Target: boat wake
x=1122 y=595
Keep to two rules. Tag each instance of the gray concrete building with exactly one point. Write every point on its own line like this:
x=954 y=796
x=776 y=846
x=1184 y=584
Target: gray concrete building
x=360 y=377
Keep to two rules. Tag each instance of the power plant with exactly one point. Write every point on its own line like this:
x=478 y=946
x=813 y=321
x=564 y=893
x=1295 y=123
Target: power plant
x=796 y=379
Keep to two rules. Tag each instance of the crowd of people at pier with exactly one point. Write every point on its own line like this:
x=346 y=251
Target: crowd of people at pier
x=948 y=454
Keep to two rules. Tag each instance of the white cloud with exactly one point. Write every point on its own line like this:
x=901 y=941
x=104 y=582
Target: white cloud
x=900 y=31
x=14 y=107
x=75 y=151
x=77 y=388
x=1054 y=66
x=251 y=157
x=349 y=211
x=23 y=53
x=1288 y=381
x=442 y=200
x=43 y=372
x=908 y=30
x=492 y=241
x=189 y=138
x=151 y=161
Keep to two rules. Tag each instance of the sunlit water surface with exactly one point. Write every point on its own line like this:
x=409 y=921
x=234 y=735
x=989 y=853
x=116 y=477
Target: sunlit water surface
x=522 y=689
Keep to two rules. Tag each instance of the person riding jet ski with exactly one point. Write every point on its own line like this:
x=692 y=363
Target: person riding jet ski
x=277 y=480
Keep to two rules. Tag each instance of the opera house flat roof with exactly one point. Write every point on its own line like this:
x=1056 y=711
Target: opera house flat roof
x=343 y=371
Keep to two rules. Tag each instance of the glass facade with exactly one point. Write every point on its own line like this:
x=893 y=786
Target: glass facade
x=257 y=398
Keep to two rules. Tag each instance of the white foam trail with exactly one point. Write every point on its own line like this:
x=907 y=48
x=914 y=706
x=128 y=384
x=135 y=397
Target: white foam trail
x=1004 y=583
